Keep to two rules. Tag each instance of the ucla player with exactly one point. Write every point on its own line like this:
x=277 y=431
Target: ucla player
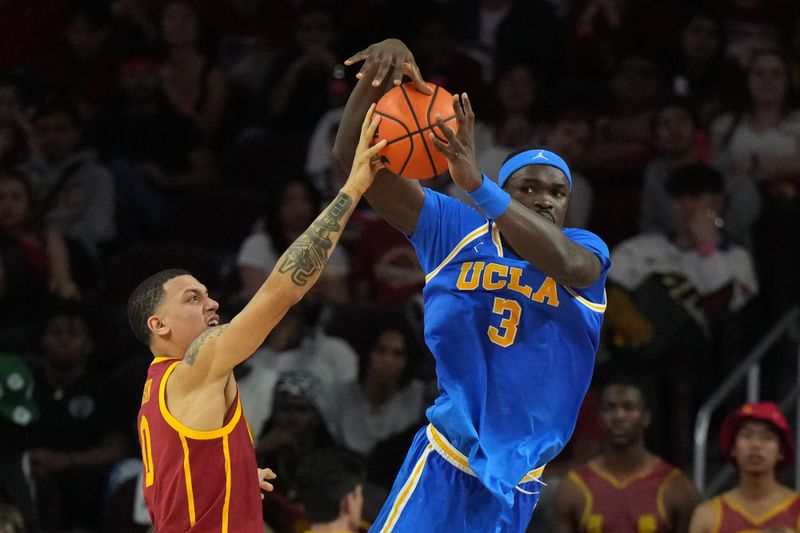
x=513 y=308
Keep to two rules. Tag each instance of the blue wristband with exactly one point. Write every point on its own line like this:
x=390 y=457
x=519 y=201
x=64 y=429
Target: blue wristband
x=490 y=198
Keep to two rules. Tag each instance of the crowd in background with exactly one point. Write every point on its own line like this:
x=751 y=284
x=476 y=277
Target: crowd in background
x=137 y=135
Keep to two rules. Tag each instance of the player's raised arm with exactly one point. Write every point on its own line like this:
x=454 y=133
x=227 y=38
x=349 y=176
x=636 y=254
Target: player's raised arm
x=397 y=200
x=219 y=349
x=529 y=210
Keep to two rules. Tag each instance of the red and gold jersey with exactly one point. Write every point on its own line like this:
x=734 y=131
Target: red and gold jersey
x=733 y=517
x=203 y=481
x=635 y=506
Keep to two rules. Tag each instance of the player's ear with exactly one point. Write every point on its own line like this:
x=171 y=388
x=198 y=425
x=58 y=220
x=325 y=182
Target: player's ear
x=157 y=326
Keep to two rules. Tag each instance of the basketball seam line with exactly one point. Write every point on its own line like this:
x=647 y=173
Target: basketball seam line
x=419 y=127
x=408 y=135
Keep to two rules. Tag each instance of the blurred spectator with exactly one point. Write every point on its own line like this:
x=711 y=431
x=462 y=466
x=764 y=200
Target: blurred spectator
x=295 y=429
x=327 y=178
x=626 y=487
x=76 y=190
x=513 y=121
x=82 y=70
x=602 y=32
x=668 y=294
x=757 y=439
x=28 y=31
x=385 y=399
x=14 y=146
x=622 y=142
x=700 y=71
x=292 y=346
x=751 y=25
x=386 y=270
x=80 y=434
x=154 y=151
x=193 y=84
x=11 y=520
x=330 y=485
x=761 y=140
x=304 y=79
x=679 y=141
x=292 y=208
x=569 y=137
x=18 y=412
x=34 y=254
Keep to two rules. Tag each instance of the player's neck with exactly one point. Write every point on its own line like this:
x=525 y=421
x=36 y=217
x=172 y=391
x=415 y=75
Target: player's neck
x=754 y=487
x=623 y=462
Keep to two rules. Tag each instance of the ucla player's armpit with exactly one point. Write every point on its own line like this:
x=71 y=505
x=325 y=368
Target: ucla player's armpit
x=591 y=242
x=444 y=224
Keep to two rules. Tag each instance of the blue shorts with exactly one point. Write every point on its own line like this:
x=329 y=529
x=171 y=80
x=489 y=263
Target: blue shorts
x=436 y=491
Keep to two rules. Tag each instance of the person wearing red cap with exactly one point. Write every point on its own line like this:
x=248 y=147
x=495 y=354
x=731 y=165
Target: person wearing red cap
x=757 y=439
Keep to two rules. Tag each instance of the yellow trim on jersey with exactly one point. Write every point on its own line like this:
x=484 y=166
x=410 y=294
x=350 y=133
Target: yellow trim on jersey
x=588 y=499
x=608 y=476
x=161 y=358
x=471 y=236
x=758 y=520
x=185 y=430
x=226 y=507
x=187 y=476
x=717 y=503
x=496 y=240
x=459 y=460
x=405 y=493
x=600 y=308
x=660 y=504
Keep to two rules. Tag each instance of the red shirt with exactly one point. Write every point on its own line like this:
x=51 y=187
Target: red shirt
x=635 y=506
x=199 y=481
x=734 y=518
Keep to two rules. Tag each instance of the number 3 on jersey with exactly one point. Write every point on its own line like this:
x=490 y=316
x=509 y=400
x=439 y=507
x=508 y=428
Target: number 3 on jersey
x=510 y=312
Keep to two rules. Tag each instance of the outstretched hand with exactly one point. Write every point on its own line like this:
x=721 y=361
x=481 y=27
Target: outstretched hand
x=459 y=148
x=366 y=163
x=263 y=475
x=393 y=55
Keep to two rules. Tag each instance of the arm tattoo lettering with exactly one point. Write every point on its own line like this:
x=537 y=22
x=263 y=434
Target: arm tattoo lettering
x=308 y=254
x=194 y=348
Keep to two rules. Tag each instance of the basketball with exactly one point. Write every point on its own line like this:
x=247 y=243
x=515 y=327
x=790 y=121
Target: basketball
x=408 y=116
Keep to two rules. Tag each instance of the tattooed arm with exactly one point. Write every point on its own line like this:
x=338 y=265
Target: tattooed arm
x=218 y=350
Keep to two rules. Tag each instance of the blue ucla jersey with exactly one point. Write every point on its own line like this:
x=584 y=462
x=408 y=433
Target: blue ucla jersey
x=514 y=350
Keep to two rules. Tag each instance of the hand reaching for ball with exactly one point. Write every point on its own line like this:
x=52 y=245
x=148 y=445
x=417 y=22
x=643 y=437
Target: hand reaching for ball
x=459 y=148
x=387 y=55
x=366 y=163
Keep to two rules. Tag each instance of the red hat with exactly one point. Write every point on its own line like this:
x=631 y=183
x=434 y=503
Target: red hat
x=765 y=412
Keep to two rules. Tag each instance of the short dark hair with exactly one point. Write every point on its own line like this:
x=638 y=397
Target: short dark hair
x=145 y=298
x=625 y=378
x=323 y=478
x=694 y=180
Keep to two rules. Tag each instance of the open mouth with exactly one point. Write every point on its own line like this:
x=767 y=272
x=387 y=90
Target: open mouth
x=212 y=321
x=546 y=214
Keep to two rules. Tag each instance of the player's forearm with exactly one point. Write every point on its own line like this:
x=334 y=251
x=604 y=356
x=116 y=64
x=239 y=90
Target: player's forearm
x=364 y=94
x=544 y=245
x=300 y=266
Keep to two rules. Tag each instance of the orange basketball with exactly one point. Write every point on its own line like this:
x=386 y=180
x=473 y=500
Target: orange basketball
x=408 y=117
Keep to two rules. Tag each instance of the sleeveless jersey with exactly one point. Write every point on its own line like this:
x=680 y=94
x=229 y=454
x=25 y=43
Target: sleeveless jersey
x=734 y=518
x=635 y=506
x=204 y=481
x=514 y=350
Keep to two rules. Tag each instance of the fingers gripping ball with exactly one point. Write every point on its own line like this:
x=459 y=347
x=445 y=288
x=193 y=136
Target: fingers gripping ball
x=408 y=117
